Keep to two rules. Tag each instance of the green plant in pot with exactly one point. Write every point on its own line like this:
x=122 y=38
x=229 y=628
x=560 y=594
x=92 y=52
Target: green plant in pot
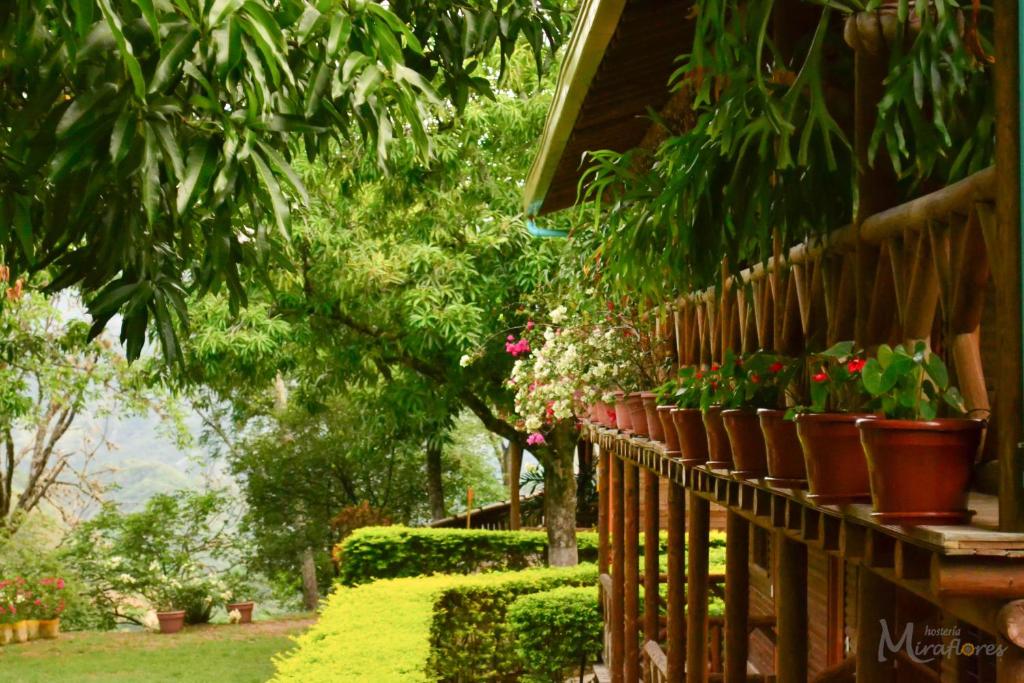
x=716 y=394
x=834 y=459
x=679 y=409
x=756 y=382
x=920 y=464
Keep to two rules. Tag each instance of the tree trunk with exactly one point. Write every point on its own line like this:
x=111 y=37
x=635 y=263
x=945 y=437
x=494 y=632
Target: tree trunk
x=310 y=590
x=435 y=489
x=560 y=495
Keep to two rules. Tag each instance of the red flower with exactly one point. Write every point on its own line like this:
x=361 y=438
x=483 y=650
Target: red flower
x=820 y=377
x=775 y=367
x=714 y=367
x=755 y=378
x=699 y=375
x=856 y=365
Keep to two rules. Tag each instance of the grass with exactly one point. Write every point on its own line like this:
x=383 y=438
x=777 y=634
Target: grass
x=221 y=653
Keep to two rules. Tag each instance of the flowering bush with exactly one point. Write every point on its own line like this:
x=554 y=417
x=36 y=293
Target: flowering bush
x=49 y=598
x=684 y=390
x=561 y=369
x=758 y=380
x=22 y=598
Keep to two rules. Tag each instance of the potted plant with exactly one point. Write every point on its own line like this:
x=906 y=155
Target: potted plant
x=920 y=464
x=236 y=587
x=654 y=429
x=51 y=604
x=837 y=471
x=18 y=603
x=683 y=395
x=663 y=397
x=715 y=391
x=637 y=414
x=622 y=415
x=750 y=384
x=8 y=612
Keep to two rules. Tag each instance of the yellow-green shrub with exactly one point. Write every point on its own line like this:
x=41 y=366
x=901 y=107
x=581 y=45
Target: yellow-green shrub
x=396 y=551
x=556 y=631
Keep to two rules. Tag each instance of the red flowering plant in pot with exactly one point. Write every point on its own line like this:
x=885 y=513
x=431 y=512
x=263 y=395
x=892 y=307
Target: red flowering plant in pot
x=716 y=395
x=759 y=381
x=826 y=426
x=679 y=410
x=921 y=452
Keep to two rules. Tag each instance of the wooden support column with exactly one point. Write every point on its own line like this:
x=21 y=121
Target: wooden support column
x=790 y=610
x=515 y=466
x=737 y=597
x=676 y=582
x=876 y=599
x=1010 y=667
x=1006 y=274
x=631 y=574
x=603 y=502
x=617 y=621
x=697 y=591
x=651 y=552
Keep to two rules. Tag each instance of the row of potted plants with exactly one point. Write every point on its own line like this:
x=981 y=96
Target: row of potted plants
x=30 y=608
x=889 y=429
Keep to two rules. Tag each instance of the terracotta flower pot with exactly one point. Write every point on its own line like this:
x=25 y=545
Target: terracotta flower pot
x=920 y=470
x=604 y=414
x=49 y=628
x=747 y=441
x=245 y=609
x=637 y=414
x=837 y=471
x=33 y=628
x=622 y=415
x=20 y=629
x=719 y=449
x=654 y=430
x=786 y=467
x=668 y=430
x=693 y=438
x=6 y=634
x=877 y=31
x=171 y=622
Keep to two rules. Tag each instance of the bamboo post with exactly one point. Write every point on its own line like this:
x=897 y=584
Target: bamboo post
x=697 y=591
x=618 y=568
x=631 y=574
x=515 y=467
x=469 y=507
x=603 y=473
x=790 y=610
x=737 y=597
x=651 y=552
x=676 y=582
x=875 y=602
x=1007 y=278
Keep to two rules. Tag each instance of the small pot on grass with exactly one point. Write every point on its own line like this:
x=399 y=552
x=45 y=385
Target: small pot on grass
x=244 y=610
x=171 y=622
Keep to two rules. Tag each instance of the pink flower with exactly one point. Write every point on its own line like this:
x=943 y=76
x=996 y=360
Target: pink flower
x=60 y=584
x=529 y=324
x=535 y=439
x=510 y=338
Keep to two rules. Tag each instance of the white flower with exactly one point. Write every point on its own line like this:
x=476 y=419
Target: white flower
x=234 y=616
x=465 y=360
x=558 y=314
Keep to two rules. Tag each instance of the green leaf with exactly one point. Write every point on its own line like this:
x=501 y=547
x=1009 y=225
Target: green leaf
x=171 y=58
x=131 y=64
x=839 y=350
x=221 y=10
x=201 y=159
x=936 y=370
x=871 y=377
x=341 y=28
x=277 y=198
x=149 y=14
x=123 y=135
x=884 y=355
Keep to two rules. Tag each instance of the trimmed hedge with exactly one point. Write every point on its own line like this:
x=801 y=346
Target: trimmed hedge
x=405 y=630
x=470 y=638
x=557 y=632
x=395 y=551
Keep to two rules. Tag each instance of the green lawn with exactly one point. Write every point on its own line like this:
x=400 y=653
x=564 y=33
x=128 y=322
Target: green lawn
x=217 y=653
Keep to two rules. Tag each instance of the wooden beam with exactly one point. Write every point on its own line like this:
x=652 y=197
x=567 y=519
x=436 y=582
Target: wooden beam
x=790 y=610
x=737 y=597
x=631 y=573
x=651 y=553
x=697 y=591
x=1007 y=278
x=676 y=582
x=603 y=501
x=876 y=599
x=976 y=578
x=618 y=568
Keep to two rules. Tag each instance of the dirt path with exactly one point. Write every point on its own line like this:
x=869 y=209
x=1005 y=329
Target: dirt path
x=143 y=640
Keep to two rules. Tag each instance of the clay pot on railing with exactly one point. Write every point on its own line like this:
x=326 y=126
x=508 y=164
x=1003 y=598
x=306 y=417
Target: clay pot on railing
x=719 y=449
x=747 y=441
x=668 y=430
x=693 y=437
x=837 y=471
x=920 y=471
x=654 y=430
x=786 y=467
x=622 y=415
x=637 y=414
